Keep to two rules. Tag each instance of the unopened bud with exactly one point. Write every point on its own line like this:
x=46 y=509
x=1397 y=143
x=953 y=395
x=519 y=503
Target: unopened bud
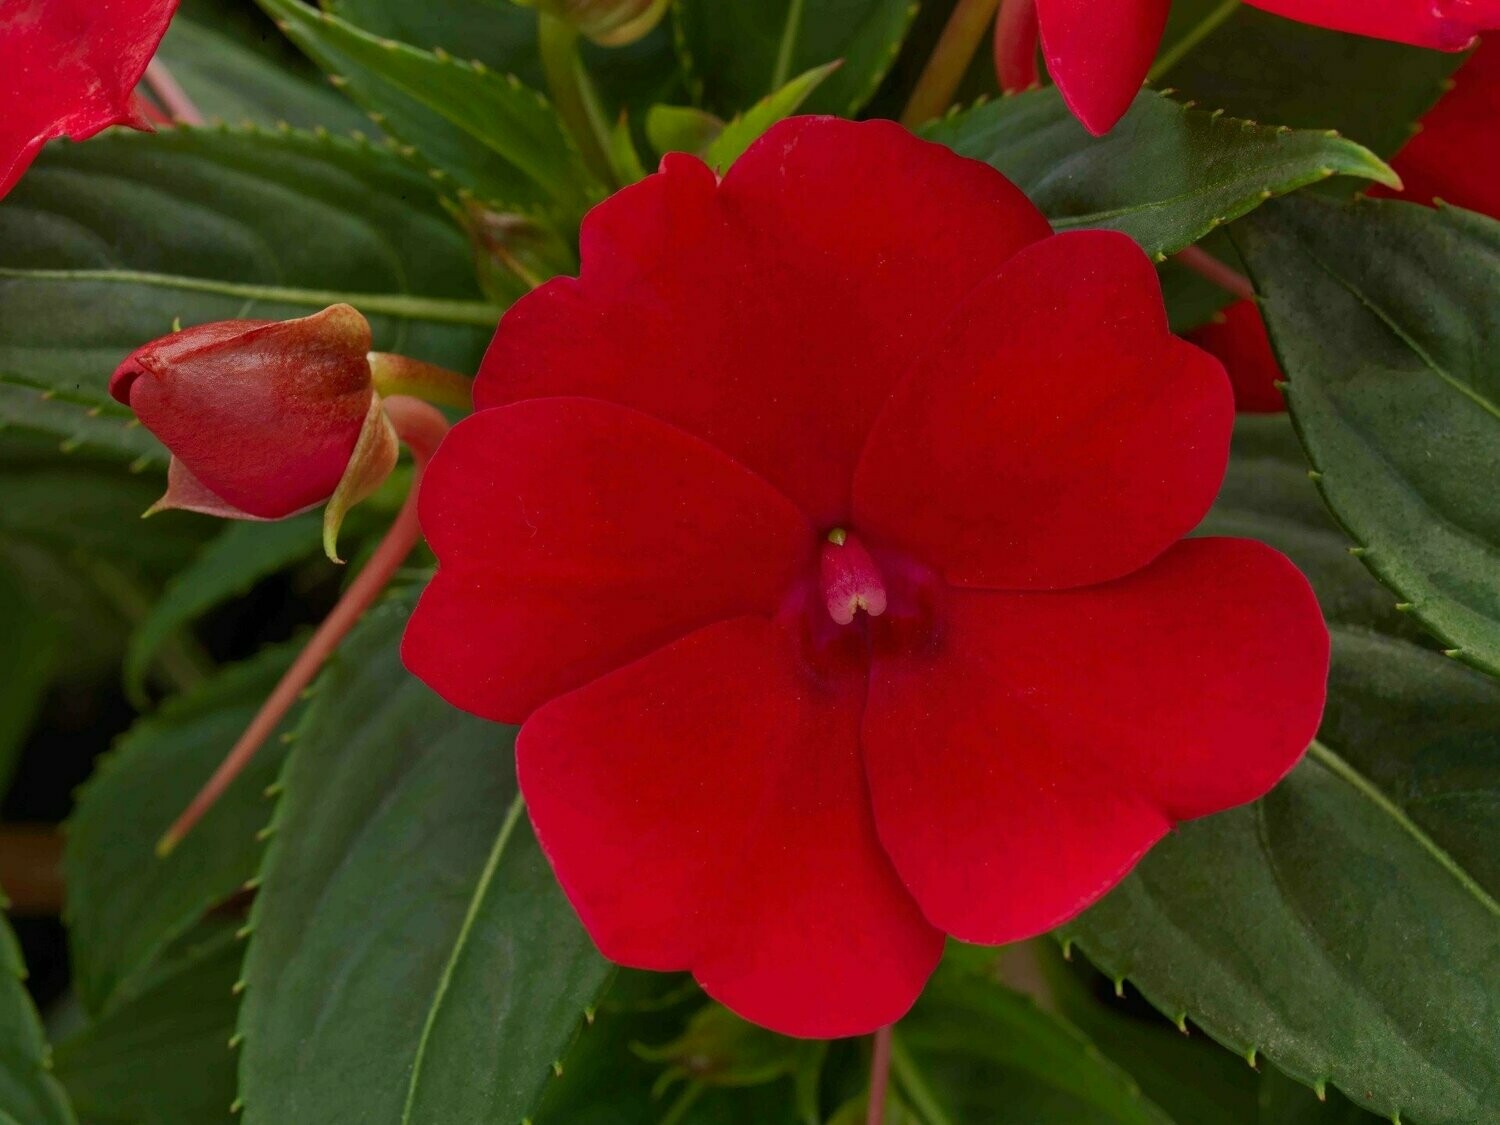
x=263 y=419
x=610 y=23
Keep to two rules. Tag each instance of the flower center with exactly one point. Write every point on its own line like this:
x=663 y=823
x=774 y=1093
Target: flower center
x=849 y=579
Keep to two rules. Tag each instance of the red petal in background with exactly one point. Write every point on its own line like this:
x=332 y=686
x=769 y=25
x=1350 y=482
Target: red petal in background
x=705 y=808
x=575 y=535
x=1237 y=338
x=769 y=314
x=1455 y=156
x=1020 y=767
x=68 y=68
x=1449 y=25
x=1099 y=53
x=1057 y=435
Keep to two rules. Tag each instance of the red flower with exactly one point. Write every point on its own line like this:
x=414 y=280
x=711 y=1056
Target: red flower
x=1237 y=339
x=824 y=536
x=1099 y=53
x=68 y=68
x=262 y=417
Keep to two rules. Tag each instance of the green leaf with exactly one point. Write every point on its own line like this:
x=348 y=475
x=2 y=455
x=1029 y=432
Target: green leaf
x=494 y=136
x=1166 y=175
x=1384 y=316
x=727 y=147
x=241 y=555
x=103 y=245
x=230 y=61
x=681 y=128
x=162 y=1056
x=973 y=1052
x=27 y=660
x=1267 y=68
x=737 y=51
x=412 y=958
x=126 y=905
x=1339 y=926
x=29 y=1094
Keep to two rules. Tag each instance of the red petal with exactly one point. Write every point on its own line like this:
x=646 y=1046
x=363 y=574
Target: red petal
x=1456 y=155
x=1099 y=53
x=1449 y=25
x=705 y=808
x=187 y=493
x=68 y=68
x=574 y=536
x=1061 y=734
x=770 y=314
x=1237 y=339
x=1057 y=435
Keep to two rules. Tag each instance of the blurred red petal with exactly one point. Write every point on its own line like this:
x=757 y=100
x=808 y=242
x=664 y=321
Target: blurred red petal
x=705 y=809
x=1061 y=734
x=1099 y=53
x=1448 y=25
x=68 y=68
x=1057 y=434
x=1237 y=338
x=574 y=536
x=770 y=314
x=1455 y=156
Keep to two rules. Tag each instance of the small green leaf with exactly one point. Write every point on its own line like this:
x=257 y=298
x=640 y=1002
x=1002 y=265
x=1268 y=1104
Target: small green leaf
x=973 y=1052
x=1166 y=175
x=241 y=555
x=126 y=905
x=724 y=149
x=162 y=1055
x=104 y=245
x=411 y=956
x=738 y=51
x=1384 y=316
x=496 y=137
x=1337 y=926
x=29 y=1095
x=681 y=128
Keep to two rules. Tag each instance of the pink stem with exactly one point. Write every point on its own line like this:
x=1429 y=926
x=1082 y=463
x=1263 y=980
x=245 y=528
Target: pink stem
x=1206 y=266
x=421 y=427
x=880 y=1077
x=1016 y=37
x=169 y=92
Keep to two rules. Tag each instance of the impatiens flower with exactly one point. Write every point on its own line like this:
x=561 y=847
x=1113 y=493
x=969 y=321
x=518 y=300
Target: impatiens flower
x=68 y=68
x=1099 y=53
x=1237 y=338
x=263 y=418
x=825 y=536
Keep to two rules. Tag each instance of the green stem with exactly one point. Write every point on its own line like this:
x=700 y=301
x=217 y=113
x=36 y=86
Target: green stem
x=914 y=1086
x=479 y=313
x=949 y=61
x=789 y=33
x=402 y=375
x=1184 y=46
x=684 y=1103
x=573 y=96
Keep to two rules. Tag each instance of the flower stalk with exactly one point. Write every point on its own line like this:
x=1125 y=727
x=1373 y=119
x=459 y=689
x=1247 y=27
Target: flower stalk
x=573 y=94
x=1206 y=266
x=420 y=427
x=1016 y=39
x=880 y=1075
x=949 y=61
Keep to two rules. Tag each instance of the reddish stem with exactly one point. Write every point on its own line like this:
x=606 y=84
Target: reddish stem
x=421 y=427
x=880 y=1076
x=1016 y=39
x=1206 y=266
x=174 y=99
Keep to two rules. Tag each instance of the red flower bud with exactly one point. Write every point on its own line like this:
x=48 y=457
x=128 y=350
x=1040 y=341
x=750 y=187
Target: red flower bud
x=263 y=418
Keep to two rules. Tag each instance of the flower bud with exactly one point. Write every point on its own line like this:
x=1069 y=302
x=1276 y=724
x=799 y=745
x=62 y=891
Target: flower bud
x=263 y=419
x=610 y=23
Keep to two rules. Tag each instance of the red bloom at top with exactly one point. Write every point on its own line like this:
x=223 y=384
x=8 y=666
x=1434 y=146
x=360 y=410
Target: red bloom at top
x=824 y=536
x=1099 y=53
x=69 y=68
